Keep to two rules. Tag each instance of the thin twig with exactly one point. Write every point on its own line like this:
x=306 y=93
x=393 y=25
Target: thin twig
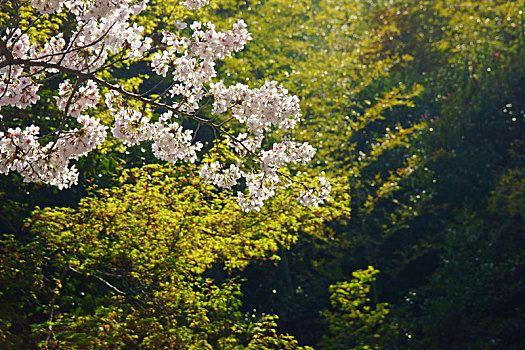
x=64 y=116
x=98 y=280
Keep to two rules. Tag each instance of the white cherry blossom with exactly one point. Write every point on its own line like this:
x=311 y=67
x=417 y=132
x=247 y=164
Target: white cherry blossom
x=102 y=33
x=214 y=173
x=173 y=143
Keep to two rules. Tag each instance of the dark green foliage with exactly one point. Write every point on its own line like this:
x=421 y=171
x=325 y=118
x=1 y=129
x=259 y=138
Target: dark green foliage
x=475 y=299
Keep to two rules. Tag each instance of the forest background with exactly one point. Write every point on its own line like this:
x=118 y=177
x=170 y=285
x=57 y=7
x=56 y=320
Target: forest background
x=417 y=111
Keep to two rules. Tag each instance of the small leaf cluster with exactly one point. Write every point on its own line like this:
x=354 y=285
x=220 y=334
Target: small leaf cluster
x=356 y=322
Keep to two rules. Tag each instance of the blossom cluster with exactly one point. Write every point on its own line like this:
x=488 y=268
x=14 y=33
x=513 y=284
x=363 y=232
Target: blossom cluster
x=86 y=97
x=131 y=126
x=102 y=31
x=264 y=183
x=245 y=143
x=258 y=108
x=170 y=141
x=314 y=197
x=195 y=4
x=16 y=88
x=191 y=60
x=215 y=174
x=21 y=151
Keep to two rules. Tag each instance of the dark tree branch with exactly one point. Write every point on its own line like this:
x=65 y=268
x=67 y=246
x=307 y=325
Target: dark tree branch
x=96 y=279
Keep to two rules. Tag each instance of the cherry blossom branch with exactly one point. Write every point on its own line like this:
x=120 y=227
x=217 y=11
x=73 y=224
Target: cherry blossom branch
x=123 y=59
x=65 y=113
x=189 y=61
x=104 y=83
x=162 y=81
